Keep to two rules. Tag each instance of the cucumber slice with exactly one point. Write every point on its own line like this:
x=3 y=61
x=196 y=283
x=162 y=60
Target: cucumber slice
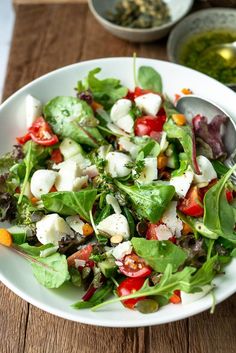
x=108 y=267
x=19 y=234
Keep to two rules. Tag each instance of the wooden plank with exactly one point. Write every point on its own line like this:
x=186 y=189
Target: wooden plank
x=13 y=320
x=214 y=333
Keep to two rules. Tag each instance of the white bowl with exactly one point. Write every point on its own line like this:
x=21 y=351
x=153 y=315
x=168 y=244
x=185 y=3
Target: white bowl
x=178 y=9
x=16 y=273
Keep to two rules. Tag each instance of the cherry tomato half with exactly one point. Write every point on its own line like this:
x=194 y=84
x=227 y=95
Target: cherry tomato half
x=134 y=266
x=229 y=195
x=82 y=254
x=147 y=125
x=23 y=139
x=41 y=133
x=191 y=205
x=130 y=286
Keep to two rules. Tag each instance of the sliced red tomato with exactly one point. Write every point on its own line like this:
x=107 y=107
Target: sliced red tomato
x=175 y=298
x=56 y=156
x=134 y=266
x=82 y=254
x=130 y=286
x=147 y=125
x=23 y=139
x=191 y=205
x=42 y=134
x=140 y=92
x=229 y=195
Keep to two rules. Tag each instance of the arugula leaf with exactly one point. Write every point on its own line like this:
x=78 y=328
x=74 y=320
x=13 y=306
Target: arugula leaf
x=184 y=134
x=187 y=280
x=218 y=213
x=106 y=91
x=149 y=201
x=97 y=298
x=34 y=156
x=149 y=78
x=74 y=118
x=220 y=168
x=70 y=203
x=158 y=254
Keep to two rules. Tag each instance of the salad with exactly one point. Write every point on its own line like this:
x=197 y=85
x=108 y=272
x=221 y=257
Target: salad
x=117 y=192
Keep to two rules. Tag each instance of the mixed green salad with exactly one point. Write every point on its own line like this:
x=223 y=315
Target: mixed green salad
x=116 y=192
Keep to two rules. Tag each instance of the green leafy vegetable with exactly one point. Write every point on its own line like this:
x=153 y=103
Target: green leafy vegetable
x=98 y=297
x=220 y=168
x=51 y=271
x=187 y=280
x=34 y=156
x=158 y=254
x=70 y=203
x=218 y=213
x=74 y=118
x=149 y=78
x=75 y=277
x=149 y=201
x=105 y=92
x=184 y=134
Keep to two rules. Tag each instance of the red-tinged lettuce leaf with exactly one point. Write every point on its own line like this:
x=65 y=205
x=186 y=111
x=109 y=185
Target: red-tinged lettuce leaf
x=211 y=133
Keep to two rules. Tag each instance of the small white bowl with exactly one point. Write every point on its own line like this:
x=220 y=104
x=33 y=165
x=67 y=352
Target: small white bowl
x=178 y=9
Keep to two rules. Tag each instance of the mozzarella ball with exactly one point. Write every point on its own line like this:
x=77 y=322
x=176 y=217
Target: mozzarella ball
x=116 y=164
x=42 y=181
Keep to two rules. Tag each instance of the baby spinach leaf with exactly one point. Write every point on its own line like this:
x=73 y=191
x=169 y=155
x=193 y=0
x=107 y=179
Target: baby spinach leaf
x=149 y=78
x=70 y=203
x=74 y=118
x=51 y=271
x=184 y=134
x=149 y=201
x=98 y=297
x=106 y=91
x=218 y=213
x=158 y=254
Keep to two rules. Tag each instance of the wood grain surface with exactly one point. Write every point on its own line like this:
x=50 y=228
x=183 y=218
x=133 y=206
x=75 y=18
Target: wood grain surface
x=45 y=38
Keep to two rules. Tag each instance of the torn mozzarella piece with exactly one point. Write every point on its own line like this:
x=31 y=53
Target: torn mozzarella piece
x=80 y=183
x=114 y=128
x=208 y=173
x=125 y=144
x=163 y=232
x=187 y=298
x=91 y=171
x=171 y=219
x=149 y=103
x=126 y=123
x=121 y=250
x=120 y=109
x=33 y=110
x=75 y=223
x=67 y=175
x=116 y=164
x=115 y=224
x=42 y=181
x=51 y=228
x=69 y=148
x=149 y=173
x=27 y=191
x=163 y=143
x=111 y=200
x=182 y=183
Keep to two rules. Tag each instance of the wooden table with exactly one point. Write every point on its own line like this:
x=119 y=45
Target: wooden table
x=47 y=37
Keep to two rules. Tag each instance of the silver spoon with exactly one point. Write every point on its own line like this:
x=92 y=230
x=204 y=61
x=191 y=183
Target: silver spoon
x=192 y=105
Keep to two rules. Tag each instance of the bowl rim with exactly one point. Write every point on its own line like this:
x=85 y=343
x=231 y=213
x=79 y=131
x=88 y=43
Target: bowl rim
x=148 y=320
x=171 y=38
x=137 y=30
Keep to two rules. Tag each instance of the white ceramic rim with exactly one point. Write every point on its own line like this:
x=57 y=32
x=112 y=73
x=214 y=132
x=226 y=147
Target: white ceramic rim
x=137 y=30
x=146 y=320
x=171 y=38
